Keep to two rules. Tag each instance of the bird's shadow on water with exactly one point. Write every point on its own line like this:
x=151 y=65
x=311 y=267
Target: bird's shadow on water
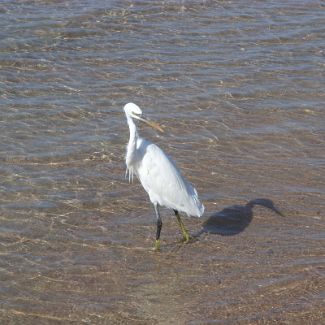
x=234 y=219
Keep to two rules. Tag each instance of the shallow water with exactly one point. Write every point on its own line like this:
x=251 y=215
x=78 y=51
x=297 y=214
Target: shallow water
x=239 y=89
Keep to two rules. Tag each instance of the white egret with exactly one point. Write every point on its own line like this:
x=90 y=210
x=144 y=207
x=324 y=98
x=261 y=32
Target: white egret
x=159 y=175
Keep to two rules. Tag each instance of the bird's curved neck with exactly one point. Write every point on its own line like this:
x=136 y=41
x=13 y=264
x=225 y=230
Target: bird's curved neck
x=132 y=128
x=132 y=145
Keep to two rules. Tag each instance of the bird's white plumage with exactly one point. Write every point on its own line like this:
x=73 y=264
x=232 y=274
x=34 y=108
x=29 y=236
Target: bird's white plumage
x=163 y=182
x=157 y=173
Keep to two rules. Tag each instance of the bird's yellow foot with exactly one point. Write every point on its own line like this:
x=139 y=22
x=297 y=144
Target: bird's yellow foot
x=186 y=238
x=157 y=245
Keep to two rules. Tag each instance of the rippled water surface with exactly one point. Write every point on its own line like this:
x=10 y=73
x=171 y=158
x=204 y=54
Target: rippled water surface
x=239 y=89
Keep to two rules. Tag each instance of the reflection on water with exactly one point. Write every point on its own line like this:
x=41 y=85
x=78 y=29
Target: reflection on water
x=240 y=90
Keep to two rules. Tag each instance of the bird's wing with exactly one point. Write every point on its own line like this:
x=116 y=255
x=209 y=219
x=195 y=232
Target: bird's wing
x=164 y=182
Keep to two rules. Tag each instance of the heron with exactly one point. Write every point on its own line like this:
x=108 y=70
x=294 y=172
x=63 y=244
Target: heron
x=159 y=175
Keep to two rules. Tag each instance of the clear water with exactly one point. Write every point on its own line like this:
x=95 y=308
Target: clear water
x=239 y=88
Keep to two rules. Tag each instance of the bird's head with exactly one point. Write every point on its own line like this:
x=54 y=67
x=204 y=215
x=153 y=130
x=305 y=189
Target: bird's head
x=134 y=111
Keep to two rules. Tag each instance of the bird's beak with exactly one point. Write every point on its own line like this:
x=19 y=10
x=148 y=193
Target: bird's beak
x=153 y=124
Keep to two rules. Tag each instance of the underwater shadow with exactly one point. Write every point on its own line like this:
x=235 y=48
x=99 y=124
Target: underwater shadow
x=234 y=219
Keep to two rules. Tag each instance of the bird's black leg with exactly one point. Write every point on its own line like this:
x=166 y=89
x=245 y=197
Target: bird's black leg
x=159 y=226
x=186 y=236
